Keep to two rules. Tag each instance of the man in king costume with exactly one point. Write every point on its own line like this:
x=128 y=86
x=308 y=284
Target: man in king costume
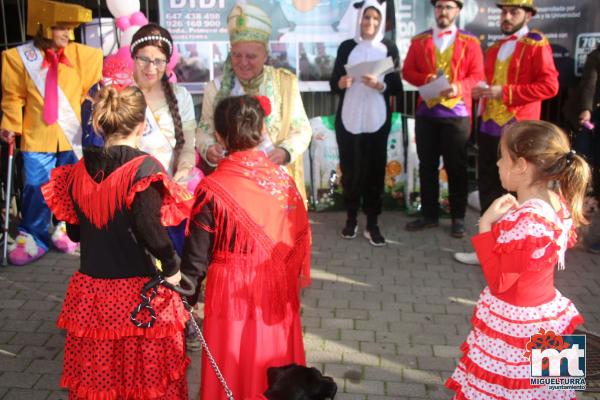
x=48 y=78
x=288 y=130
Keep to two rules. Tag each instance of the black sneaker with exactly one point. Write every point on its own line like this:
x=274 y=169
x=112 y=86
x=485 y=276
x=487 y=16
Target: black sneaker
x=373 y=234
x=457 y=229
x=420 y=224
x=350 y=230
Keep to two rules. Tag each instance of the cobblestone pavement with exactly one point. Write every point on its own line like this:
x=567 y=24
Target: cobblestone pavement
x=386 y=323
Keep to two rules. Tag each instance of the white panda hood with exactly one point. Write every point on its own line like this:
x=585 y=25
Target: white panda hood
x=364 y=109
x=362 y=6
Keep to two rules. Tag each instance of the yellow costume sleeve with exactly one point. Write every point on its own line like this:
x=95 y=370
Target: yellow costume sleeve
x=300 y=133
x=90 y=62
x=14 y=91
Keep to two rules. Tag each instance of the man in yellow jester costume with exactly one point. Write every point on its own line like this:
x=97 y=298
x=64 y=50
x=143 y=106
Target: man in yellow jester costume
x=43 y=85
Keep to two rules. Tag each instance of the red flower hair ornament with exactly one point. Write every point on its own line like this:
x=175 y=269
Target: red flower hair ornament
x=265 y=104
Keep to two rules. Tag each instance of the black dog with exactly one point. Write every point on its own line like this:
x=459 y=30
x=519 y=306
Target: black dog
x=295 y=382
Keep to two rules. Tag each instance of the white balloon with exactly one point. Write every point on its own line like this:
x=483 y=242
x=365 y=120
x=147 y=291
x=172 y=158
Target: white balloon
x=128 y=34
x=120 y=8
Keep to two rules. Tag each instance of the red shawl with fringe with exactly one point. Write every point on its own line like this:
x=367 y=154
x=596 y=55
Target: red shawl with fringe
x=99 y=201
x=261 y=246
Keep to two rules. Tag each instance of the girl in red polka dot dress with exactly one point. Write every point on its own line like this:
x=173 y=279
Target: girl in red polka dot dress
x=520 y=242
x=116 y=202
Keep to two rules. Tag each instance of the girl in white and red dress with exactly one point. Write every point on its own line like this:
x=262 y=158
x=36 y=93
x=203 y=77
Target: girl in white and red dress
x=520 y=242
x=116 y=202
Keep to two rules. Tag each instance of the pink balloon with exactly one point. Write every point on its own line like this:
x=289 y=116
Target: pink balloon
x=124 y=56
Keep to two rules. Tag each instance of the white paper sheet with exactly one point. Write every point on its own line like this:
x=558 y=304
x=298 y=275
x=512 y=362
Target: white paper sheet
x=377 y=68
x=432 y=89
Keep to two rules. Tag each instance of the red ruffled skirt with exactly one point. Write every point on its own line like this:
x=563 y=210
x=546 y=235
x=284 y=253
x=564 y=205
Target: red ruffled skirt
x=109 y=358
x=493 y=365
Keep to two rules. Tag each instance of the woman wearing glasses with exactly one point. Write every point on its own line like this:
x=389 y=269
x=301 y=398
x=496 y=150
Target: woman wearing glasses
x=170 y=114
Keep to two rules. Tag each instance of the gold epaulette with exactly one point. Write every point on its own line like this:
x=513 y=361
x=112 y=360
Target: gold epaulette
x=422 y=35
x=535 y=38
x=465 y=35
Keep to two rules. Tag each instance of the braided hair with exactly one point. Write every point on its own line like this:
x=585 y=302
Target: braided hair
x=157 y=36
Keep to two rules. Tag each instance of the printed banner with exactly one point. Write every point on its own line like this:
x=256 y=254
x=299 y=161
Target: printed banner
x=306 y=35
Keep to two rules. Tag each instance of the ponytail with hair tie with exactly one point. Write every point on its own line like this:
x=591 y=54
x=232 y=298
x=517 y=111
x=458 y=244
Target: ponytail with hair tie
x=570 y=156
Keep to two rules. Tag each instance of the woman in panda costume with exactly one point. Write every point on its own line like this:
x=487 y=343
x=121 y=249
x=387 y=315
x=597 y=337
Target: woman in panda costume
x=363 y=118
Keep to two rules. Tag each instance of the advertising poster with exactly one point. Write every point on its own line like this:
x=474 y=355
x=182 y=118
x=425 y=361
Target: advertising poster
x=305 y=38
x=571 y=26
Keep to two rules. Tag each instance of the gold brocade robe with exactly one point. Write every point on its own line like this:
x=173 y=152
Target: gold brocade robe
x=287 y=126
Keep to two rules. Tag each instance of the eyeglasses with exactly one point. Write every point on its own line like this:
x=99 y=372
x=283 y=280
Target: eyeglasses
x=145 y=61
x=441 y=8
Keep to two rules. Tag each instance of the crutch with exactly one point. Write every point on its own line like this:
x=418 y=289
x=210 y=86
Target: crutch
x=11 y=150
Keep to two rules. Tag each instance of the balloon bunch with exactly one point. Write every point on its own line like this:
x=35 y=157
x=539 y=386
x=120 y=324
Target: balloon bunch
x=128 y=19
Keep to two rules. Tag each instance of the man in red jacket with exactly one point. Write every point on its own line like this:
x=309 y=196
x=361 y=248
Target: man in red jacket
x=520 y=73
x=443 y=123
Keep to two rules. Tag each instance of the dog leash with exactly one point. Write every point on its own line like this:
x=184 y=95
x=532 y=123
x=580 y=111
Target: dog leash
x=152 y=287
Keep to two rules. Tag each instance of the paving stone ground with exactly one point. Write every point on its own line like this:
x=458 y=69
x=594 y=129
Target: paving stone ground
x=386 y=323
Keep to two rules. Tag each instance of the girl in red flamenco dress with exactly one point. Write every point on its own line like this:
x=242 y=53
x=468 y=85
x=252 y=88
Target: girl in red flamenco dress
x=520 y=242
x=249 y=229
x=116 y=202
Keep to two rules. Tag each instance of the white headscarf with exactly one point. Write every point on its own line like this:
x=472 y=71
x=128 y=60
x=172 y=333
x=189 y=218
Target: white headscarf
x=379 y=6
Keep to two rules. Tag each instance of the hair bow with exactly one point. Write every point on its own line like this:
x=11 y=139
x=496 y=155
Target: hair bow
x=136 y=19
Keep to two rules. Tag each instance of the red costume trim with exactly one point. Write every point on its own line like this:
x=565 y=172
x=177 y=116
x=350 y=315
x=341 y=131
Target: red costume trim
x=453 y=385
x=55 y=193
x=465 y=348
x=521 y=342
x=509 y=383
x=532 y=243
x=90 y=310
x=177 y=201
x=99 y=201
x=251 y=246
x=466 y=65
x=261 y=262
x=106 y=356
x=532 y=77
x=78 y=388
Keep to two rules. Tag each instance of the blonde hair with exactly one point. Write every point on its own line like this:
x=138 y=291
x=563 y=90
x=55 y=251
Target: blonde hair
x=547 y=147
x=117 y=113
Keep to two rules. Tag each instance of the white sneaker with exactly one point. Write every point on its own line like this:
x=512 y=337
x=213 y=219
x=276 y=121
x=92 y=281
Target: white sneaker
x=467 y=258
x=473 y=200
